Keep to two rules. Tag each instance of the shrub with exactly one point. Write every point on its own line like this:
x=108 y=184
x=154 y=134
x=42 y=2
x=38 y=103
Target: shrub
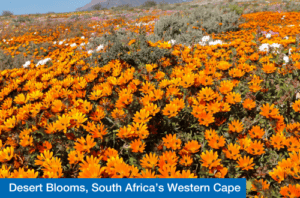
x=236 y=8
x=188 y=27
x=7 y=13
x=139 y=53
x=123 y=7
x=97 y=6
x=149 y=3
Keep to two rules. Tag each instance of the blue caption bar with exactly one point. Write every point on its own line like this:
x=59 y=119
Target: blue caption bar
x=114 y=188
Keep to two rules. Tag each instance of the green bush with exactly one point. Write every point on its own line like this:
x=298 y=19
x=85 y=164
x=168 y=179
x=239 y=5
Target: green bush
x=236 y=8
x=187 y=27
x=140 y=52
x=292 y=7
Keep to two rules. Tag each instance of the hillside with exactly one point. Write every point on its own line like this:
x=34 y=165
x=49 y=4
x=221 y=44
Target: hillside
x=111 y=3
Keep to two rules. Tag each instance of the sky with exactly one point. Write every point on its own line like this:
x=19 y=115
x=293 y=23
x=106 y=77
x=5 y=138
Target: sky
x=40 y=6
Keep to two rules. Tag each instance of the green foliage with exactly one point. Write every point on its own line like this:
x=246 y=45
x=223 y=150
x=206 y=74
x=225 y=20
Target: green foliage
x=9 y=62
x=140 y=51
x=74 y=17
x=236 y=8
x=187 y=27
x=21 y=19
x=292 y=7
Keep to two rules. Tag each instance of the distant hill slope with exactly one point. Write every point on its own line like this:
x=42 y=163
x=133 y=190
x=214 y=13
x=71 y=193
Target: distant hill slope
x=111 y=3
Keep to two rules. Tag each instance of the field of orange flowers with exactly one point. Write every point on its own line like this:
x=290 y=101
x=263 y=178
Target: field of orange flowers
x=226 y=108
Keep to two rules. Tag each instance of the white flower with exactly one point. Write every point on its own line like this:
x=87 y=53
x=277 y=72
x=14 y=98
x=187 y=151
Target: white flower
x=54 y=42
x=172 y=41
x=205 y=38
x=264 y=47
x=215 y=42
x=100 y=47
x=82 y=37
x=290 y=51
x=202 y=43
x=275 y=46
x=26 y=64
x=90 y=51
x=4 y=40
x=61 y=42
x=286 y=37
x=73 y=45
x=298 y=95
x=82 y=44
x=286 y=59
x=43 y=62
x=268 y=35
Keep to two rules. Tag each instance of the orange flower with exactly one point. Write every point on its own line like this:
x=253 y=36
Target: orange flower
x=168 y=172
x=236 y=126
x=168 y=158
x=269 y=111
x=149 y=161
x=256 y=148
x=206 y=94
x=142 y=116
x=290 y=190
x=192 y=146
x=210 y=159
x=186 y=160
x=278 y=141
x=84 y=145
x=249 y=104
x=216 y=142
x=256 y=132
x=296 y=106
x=137 y=146
x=172 y=142
x=147 y=174
x=232 y=151
x=259 y=185
x=278 y=174
x=269 y=68
x=205 y=118
x=171 y=110
x=219 y=171
x=245 y=163
x=6 y=154
x=75 y=157
x=226 y=87
x=233 y=98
